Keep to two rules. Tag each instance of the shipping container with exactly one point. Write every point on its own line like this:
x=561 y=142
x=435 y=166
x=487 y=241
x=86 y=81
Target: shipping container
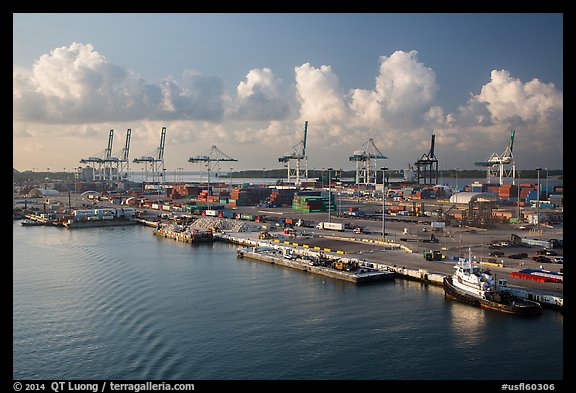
x=335 y=226
x=227 y=214
x=126 y=212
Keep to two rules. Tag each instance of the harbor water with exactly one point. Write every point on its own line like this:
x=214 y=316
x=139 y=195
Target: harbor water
x=119 y=303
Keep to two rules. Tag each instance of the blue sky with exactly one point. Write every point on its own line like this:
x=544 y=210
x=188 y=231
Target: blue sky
x=247 y=83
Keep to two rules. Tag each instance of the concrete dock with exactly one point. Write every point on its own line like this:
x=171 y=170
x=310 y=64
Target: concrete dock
x=387 y=258
x=274 y=256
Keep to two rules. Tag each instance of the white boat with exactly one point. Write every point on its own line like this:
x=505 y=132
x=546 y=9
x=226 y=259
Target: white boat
x=471 y=285
x=28 y=222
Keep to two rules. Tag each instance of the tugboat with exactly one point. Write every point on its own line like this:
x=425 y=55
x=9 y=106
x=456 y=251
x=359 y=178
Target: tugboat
x=478 y=288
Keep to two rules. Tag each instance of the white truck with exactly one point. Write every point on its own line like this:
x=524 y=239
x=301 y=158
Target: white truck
x=334 y=226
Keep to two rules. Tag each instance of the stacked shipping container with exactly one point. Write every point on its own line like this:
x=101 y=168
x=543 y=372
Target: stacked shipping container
x=312 y=201
x=248 y=197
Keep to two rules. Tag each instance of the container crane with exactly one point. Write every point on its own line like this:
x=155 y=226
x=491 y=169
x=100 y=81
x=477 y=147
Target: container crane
x=121 y=159
x=101 y=161
x=427 y=166
x=367 y=162
x=212 y=161
x=155 y=160
x=298 y=155
x=495 y=164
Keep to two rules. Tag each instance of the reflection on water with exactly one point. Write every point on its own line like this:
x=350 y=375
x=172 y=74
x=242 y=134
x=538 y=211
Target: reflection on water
x=467 y=324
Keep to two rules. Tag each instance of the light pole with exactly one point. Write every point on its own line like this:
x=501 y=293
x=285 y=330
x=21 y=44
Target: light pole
x=538 y=202
x=329 y=195
x=208 y=170
x=384 y=203
x=340 y=193
x=519 y=215
x=231 y=169
x=456 y=188
x=546 y=191
x=162 y=189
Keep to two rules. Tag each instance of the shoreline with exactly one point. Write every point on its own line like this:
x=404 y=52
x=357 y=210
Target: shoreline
x=427 y=277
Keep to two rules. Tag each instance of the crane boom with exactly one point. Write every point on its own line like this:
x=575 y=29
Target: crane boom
x=162 y=141
x=109 y=148
x=127 y=145
x=305 y=137
x=512 y=133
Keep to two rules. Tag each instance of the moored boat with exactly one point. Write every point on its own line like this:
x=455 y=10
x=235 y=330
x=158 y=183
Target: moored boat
x=478 y=288
x=29 y=222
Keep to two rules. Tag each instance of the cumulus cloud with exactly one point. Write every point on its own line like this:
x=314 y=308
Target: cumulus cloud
x=271 y=133
x=320 y=96
x=404 y=90
x=507 y=98
x=482 y=125
x=197 y=97
x=259 y=98
x=77 y=84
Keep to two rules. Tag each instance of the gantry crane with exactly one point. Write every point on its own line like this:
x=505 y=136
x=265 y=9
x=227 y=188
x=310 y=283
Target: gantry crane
x=101 y=161
x=121 y=159
x=212 y=161
x=427 y=166
x=298 y=155
x=367 y=162
x=155 y=160
x=495 y=164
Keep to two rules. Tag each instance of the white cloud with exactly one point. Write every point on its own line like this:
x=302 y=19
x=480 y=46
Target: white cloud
x=259 y=81
x=395 y=109
x=259 y=98
x=76 y=84
x=507 y=98
x=482 y=125
x=320 y=96
x=271 y=134
x=404 y=90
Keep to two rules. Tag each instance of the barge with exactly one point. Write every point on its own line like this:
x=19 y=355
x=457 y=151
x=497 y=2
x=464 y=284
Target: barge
x=74 y=223
x=320 y=264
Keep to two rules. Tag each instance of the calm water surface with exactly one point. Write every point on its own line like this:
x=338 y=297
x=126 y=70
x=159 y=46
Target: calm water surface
x=118 y=303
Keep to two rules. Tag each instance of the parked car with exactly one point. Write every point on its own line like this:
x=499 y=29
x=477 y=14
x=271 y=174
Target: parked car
x=558 y=259
x=521 y=255
x=541 y=259
x=546 y=252
x=496 y=253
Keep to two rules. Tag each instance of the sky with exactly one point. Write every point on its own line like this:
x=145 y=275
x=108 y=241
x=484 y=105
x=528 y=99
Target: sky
x=247 y=83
